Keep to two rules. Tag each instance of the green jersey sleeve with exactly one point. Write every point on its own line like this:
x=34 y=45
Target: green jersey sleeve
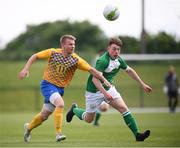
x=123 y=64
x=102 y=63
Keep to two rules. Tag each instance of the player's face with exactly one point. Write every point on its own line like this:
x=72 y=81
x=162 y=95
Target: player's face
x=114 y=51
x=69 y=45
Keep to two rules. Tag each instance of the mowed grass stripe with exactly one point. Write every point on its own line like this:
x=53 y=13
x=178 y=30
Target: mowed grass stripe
x=112 y=132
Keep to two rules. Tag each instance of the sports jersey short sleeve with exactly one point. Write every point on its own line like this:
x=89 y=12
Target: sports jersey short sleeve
x=101 y=64
x=123 y=64
x=45 y=53
x=82 y=64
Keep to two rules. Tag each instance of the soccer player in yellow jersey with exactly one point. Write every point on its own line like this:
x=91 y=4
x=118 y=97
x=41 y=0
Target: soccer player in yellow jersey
x=62 y=64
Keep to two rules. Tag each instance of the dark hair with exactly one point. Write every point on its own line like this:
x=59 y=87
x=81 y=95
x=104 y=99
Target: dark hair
x=115 y=40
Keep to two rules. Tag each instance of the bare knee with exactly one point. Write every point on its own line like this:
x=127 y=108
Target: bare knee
x=60 y=106
x=45 y=115
x=88 y=120
x=89 y=117
x=59 y=103
x=46 y=112
x=123 y=109
x=119 y=105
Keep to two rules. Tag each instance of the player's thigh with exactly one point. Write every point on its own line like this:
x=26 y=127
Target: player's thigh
x=119 y=105
x=56 y=100
x=93 y=101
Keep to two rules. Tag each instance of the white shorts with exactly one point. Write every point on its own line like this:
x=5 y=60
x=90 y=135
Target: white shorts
x=94 y=100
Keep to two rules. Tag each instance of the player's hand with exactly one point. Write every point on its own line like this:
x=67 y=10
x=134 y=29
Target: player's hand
x=147 y=88
x=107 y=83
x=23 y=73
x=108 y=96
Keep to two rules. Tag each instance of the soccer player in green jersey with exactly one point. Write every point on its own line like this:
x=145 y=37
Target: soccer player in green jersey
x=109 y=64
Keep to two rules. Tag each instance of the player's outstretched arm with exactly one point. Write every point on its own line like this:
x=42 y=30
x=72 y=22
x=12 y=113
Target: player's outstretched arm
x=98 y=75
x=25 y=71
x=132 y=73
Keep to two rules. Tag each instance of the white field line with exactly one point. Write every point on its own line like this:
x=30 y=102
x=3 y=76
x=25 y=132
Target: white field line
x=145 y=110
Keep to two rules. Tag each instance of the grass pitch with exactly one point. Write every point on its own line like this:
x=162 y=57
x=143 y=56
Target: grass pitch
x=112 y=132
x=15 y=94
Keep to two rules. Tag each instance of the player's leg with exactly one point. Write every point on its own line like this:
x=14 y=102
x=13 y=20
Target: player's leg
x=93 y=101
x=174 y=101
x=35 y=122
x=80 y=113
x=39 y=118
x=88 y=117
x=58 y=102
x=52 y=94
x=170 y=101
x=102 y=108
x=97 y=117
x=120 y=105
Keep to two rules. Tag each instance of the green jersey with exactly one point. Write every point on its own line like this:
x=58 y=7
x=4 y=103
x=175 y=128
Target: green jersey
x=108 y=67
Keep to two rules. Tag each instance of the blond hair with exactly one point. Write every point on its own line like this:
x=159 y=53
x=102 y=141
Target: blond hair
x=66 y=36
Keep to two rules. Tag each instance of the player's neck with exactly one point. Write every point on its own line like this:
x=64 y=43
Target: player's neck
x=65 y=53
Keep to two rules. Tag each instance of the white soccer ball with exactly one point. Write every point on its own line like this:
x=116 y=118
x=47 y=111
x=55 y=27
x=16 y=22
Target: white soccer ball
x=111 y=12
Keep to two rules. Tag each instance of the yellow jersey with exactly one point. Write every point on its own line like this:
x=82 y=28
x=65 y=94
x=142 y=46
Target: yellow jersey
x=60 y=70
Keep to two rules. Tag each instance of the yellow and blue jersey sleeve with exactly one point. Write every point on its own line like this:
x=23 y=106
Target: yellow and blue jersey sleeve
x=45 y=54
x=82 y=64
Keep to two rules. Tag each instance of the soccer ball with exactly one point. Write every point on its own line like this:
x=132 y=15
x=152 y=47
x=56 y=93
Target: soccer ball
x=111 y=12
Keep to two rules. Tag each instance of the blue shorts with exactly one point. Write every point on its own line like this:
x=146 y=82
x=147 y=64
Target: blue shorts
x=47 y=89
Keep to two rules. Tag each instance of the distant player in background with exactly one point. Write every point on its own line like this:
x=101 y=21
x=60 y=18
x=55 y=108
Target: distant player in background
x=62 y=64
x=109 y=65
x=102 y=108
x=171 y=83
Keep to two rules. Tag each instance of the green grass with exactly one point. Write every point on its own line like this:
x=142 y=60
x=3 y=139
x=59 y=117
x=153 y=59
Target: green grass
x=15 y=94
x=112 y=131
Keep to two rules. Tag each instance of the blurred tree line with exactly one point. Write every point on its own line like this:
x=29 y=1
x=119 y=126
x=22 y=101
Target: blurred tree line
x=90 y=40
